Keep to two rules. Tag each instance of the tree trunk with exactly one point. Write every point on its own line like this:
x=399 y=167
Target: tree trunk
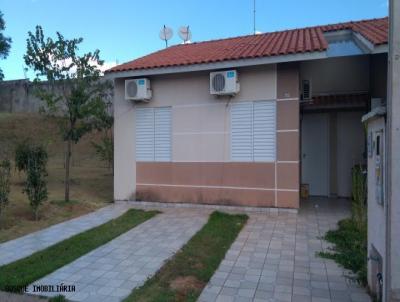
x=67 y=167
x=36 y=211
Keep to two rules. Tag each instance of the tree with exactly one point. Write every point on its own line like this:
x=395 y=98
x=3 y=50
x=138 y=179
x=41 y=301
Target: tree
x=75 y=92
x=36 y=184
x=105 y=148
x=5 y=175
x=5 y=43
x=22 y=151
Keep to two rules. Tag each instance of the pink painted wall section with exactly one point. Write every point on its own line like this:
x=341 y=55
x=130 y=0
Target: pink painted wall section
x=288 y=144
x=201 y=170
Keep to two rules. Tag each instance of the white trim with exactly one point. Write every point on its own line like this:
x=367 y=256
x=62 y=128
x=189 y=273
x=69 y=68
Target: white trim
x=381 y=49
x=363 y=43
x=288 y=130
x=218 y=65
x=287 y=99
x=218 y=187
x=288 y=161
x=216 y=103
x=276 y=184
x=199 y=133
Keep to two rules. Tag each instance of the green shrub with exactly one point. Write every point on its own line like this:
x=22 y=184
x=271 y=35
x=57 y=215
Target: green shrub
x=21 y=155
x=36 y=183
x=350 y=239
x=105 y=150
x=350 y=248
x=359 y=197
x=5 y=175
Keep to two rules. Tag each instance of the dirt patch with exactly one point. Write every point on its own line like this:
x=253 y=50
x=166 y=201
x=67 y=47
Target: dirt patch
x=186 y=284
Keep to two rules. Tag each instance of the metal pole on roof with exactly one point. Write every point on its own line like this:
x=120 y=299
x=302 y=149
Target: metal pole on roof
x=254 y=17
x=165 y=33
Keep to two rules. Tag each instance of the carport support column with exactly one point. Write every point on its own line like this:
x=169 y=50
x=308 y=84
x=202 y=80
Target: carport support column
x=333 y=155
x=124 y=144
x=392 y=286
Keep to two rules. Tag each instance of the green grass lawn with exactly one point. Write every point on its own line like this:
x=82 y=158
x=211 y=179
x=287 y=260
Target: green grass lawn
x=184 y=276
x=25 y=271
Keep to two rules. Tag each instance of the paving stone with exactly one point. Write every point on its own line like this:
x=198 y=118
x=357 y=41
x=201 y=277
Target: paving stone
x=301 y=298
x=40 y=240
x=283 y=248
x=158 y=238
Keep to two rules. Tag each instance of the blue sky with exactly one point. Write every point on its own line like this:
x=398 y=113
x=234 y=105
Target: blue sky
x=124 y=30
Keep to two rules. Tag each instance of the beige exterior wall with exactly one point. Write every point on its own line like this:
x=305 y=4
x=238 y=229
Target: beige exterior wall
x=124 y=145
x=201 y=170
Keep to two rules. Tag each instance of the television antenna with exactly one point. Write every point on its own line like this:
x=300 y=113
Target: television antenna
x=165 y=34
x=185 y=34
x=254 y=17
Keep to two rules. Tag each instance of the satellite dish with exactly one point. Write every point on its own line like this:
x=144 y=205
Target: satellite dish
x=166 y=34
x=185 y=34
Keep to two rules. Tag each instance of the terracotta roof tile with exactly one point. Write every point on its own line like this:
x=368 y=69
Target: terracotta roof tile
x=302 y=40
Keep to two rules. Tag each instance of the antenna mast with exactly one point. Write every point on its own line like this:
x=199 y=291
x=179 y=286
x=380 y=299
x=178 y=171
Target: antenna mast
x=165 y=34
x=166 y=40
x=254 y=17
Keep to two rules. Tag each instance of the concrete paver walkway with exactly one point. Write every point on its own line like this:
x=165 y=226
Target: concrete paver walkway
x=22 y=247
x=110 y=272
x=273 y=259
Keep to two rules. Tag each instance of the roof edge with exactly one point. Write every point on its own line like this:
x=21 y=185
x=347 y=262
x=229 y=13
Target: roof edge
x=217 y=65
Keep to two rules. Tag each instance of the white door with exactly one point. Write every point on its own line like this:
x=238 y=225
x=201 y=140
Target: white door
x=315 y=157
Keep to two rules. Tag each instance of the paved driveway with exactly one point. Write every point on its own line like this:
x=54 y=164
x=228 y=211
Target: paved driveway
x=110 y=272
x=22 y=247
x=273 y=259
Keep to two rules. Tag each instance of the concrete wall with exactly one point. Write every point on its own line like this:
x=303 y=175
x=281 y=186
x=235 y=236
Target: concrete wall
x=201 y=170
x=18 y=96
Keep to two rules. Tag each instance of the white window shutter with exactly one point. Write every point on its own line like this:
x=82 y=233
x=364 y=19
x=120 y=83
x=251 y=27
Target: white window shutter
x=241 y=131
x=264 y=130
x=144 y=134
x=162 y=137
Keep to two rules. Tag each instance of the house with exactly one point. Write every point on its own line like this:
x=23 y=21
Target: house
x=247 y=120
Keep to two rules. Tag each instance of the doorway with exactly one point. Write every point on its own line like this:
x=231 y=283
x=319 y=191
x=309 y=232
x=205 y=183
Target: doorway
x=314 y=153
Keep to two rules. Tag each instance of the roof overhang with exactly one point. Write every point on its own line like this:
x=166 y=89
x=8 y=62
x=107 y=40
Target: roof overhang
x=233 y=63
x=217 y=65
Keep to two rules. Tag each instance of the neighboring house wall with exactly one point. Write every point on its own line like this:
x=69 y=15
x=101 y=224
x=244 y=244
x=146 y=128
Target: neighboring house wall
x=201 y=169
